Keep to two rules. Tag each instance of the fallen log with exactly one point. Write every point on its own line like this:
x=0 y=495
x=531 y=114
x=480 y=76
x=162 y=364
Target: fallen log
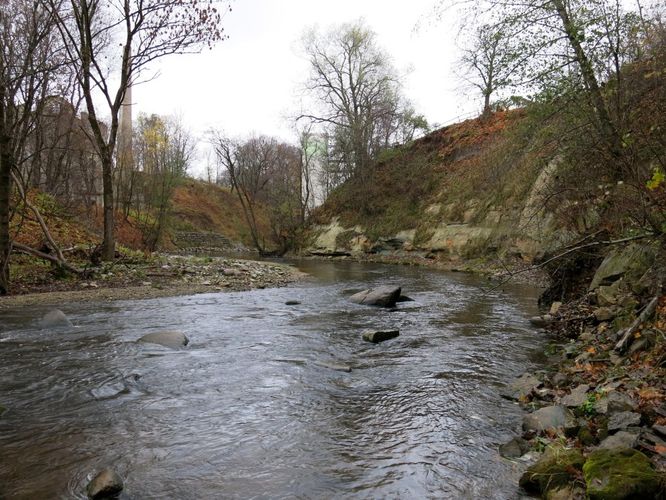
x=628 y=334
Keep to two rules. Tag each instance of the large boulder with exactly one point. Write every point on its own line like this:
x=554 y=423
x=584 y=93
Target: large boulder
x=631 y=262
x=557 y=468
x=383 y=296
x=54 y=319
x=550 y=418
x=620 y=474
x=106 y=484
x=171 y=339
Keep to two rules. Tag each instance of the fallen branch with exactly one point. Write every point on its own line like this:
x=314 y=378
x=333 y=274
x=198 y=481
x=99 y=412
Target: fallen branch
x=570 y=250
x=36 y=253
x=40 y=220
x=628 y=335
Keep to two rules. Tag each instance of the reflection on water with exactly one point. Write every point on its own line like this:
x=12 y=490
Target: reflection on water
x=250 y=408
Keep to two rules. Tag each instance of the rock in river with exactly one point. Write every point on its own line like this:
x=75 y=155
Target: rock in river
x=376 y=336
x=53 y=319
x=167 y=339
x=106 y=484
x=383 y=296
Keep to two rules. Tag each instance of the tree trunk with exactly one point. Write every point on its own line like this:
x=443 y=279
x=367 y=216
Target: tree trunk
x=604 y=122
x=109 y=243
x=5 y=192
x=5 y=195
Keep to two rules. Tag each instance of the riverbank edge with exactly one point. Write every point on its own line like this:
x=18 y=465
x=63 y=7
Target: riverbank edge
x=583 y=331
x=209 y=275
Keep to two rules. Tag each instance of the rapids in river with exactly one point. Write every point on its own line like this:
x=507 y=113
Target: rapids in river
x=251 y=408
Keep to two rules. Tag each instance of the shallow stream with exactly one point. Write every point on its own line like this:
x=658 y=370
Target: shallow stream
x=252 y=409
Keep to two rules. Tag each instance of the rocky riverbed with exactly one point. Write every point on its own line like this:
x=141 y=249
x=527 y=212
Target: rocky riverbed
x=162 y=276
x=595 y=425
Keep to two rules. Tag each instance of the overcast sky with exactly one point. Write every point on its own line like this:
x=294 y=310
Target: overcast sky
x=250 y=82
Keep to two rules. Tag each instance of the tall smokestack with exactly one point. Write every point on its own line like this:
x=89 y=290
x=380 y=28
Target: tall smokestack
x=125 y=156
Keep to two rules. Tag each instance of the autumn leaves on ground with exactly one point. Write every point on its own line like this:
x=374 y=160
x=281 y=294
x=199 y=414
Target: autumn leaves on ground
x=196 y=208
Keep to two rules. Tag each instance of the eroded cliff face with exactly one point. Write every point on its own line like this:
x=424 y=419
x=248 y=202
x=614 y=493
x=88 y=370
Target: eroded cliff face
x=485 y=196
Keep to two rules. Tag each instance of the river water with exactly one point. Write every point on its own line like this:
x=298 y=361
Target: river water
x=250 y=410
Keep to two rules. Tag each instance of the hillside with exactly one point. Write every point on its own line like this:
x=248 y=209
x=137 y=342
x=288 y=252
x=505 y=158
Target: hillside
x=460 y=192
x=208 y=215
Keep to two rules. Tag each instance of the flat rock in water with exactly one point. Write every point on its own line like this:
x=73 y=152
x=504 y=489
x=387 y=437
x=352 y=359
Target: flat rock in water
x=106 y=484
x=550 y=418
x=54 y=318
x=166 y=339
x=292 y=303
x=383 y=296
x=520 y=387
x=622 y=439
x=376 y=336
x=623 y=419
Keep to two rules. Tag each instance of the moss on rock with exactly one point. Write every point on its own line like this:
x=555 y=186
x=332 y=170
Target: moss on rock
x=556 y=468
x=620 y=474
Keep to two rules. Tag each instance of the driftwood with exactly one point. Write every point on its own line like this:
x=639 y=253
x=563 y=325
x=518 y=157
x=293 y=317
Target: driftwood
x=51 y=258
x=628 y=335
x=59 y=258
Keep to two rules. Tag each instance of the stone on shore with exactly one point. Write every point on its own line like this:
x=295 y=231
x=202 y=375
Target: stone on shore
x=376 y=336
x=622 y=439
x=622 y=420
x=550 y=418
x=383 y=296
x=577 y=397
x=557 y=468
x=541 y=321
x=170 y=339
x=53 y=319
x=620 y=474
x=615 y=402
x=515 y=448
x=105 y=485
x=520 y=387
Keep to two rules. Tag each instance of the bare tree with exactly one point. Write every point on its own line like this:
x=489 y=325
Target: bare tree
x=357 y=93
x=145 y=30
x=29 y=59
x=490 y=61
x=247 y=165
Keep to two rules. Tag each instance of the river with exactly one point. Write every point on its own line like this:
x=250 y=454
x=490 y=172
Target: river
x=250 y=410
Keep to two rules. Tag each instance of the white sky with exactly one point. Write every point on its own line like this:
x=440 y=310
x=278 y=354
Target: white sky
x=250 y=82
